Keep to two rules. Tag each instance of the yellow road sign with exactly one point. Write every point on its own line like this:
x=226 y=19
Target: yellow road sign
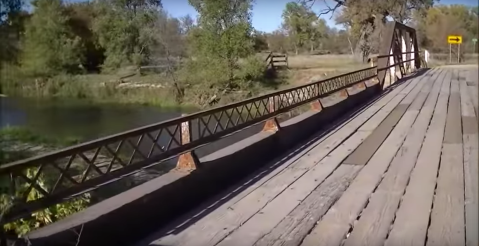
x=454 y=39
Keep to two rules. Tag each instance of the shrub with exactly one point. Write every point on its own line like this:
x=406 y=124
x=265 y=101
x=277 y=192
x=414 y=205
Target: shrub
x=252 y=69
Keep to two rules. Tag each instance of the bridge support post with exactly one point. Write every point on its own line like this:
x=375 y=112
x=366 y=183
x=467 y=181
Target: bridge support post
x=187 y=161
x=316 y=106
x=271 y=124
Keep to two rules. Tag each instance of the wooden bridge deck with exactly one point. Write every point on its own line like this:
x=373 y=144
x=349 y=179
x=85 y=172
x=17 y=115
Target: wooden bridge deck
x=403 y=171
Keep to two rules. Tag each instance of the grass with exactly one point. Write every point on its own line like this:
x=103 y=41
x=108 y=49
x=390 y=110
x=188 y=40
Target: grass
x=19 y=143
x=443 y=59
x=158 y=89
x=311 y=68
x=23 y=135
x=97 y=88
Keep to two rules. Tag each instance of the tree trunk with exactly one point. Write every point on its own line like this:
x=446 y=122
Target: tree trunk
x=361 y=46
x=351 y=46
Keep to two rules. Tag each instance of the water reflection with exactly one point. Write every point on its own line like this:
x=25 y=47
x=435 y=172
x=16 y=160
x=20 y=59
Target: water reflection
x=79 y=119
x=88 y=121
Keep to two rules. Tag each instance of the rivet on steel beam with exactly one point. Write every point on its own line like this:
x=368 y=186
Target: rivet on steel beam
x=187 y=161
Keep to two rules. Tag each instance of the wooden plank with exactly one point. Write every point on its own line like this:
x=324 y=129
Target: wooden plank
x=388 y=108
x=471 y=183
x=271 y=215
x=268 y=217
x=453 y=133
x=472 y=79
x=365 y=151
x=447 y=215
x=467 y=106
x=294 y=227
x=374 y=224
x=334 y=226
x=218 y=224
x=412 y=217
x=471 y=187
x=262 y=223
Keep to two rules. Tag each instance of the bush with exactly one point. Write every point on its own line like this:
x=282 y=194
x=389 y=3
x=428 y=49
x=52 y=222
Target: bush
x=252 y=69
x=14 y=136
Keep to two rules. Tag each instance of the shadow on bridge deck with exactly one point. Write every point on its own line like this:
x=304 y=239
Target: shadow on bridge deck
x=400 y=170
x=133 y=221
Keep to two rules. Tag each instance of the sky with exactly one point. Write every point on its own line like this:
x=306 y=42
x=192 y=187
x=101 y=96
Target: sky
x=267 y=13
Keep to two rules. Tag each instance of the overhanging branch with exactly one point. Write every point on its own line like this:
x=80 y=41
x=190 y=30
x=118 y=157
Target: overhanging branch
x=329 y=9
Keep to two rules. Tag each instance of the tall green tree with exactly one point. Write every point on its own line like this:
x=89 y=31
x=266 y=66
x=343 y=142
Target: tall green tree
x=367 y=18
x=10 y=17
x=187 y=23
x=81 y=19
x=50 y=46
x=123 y=29
x=260 y=41
x=443 y=20
x=301 y=24
x=278 y=41
x=223 y=34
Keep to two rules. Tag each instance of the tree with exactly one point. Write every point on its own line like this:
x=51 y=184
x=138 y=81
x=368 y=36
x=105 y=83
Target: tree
x=123 y=29
x=318 y=32
x=10 y=16
x=440 y=21
x=81 y=18
x=50 y=46
x=168 y=36
x=366 y=18
x=187 y=23
x=299 y=21
x=260 y=41
x=169 y=41
x=223 y=34
x=278 y=41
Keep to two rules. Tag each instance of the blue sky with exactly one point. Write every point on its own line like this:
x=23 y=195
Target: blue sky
x=267 y=13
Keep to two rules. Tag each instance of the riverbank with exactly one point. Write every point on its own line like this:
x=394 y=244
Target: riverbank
x=159 y=89
x=19 y=143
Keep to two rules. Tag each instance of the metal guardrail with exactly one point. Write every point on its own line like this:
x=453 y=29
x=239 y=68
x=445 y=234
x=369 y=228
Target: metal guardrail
x=85 y=167
x=88 y=166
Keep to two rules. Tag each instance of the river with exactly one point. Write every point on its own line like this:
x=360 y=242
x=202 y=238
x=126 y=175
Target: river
x=77 y=119
x=60 y=118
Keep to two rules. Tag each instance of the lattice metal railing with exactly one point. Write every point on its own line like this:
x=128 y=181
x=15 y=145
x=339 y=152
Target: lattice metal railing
x=75 y=170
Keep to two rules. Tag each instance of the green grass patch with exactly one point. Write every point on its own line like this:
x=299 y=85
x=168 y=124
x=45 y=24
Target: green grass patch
x=24 y=135
x=19 y=143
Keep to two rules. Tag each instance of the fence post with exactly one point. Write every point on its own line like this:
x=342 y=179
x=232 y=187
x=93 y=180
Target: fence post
x=187 y=161
x=271 y=124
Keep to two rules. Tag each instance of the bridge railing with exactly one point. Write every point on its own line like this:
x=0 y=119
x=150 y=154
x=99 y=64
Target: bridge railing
x=75 y=170
x=82 y=168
